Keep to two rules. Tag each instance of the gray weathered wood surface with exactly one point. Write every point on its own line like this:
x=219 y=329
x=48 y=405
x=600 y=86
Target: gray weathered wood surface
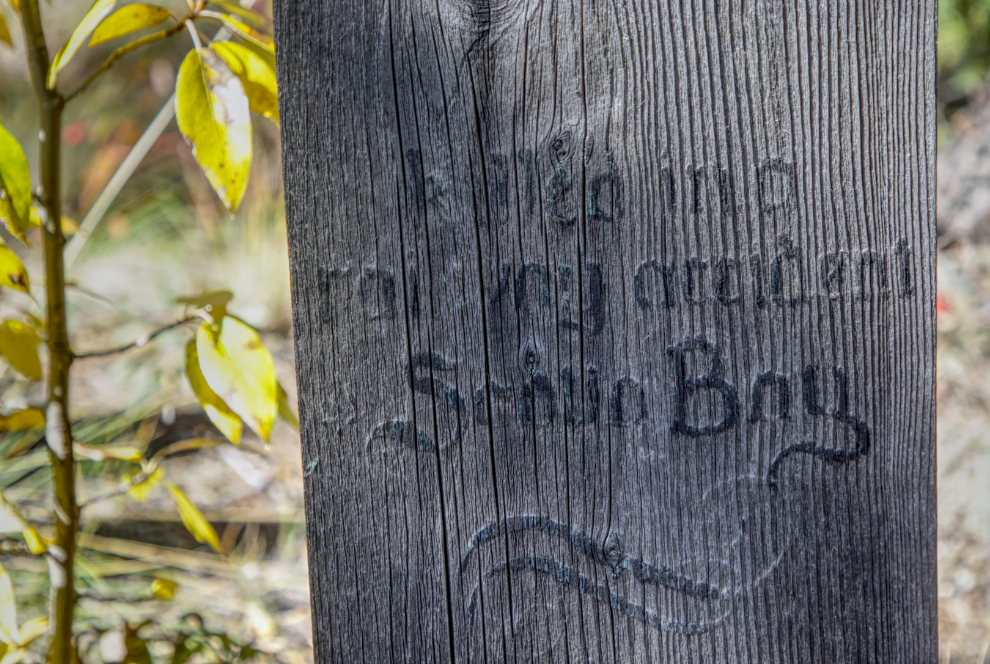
x=615 y=327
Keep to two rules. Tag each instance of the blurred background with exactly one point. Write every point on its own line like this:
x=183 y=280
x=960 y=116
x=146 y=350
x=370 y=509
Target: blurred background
x=166 y=235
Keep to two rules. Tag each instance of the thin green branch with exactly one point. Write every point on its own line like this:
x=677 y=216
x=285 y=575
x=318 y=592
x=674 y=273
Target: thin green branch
x=58 y=428
x=100 y=597
x=149 y=466
x=124 y=171
x=124 y=50
x=118 y=490
x=194 y=35
x=140 y=342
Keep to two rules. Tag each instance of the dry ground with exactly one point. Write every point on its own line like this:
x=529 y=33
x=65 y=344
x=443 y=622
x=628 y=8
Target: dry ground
x=964 y=452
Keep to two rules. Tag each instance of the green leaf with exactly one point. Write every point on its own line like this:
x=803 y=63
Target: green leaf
x=284 y=409
x=127 y=20
x=257 y=77
x=137 y=649
x=185 y=648
x=9 y=633
x=4 y=31
x=215 y=302
x=219 y=412
x=247 y=652
x=245 y=31
x=22 y=420
x=19 y=344
x=15 y=185
x=12 y=272
x=95 y=15
x=193 y=519
x=214 y=116
x=252 y=17
x=240 y=370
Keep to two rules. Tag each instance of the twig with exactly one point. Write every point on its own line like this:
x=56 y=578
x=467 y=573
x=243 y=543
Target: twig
x=91 y=594
x=124 y=50
x=194 y=35
x=140 y=342
x=190 y=561
x=149 y=466
x=118 y=490
x=89 y=293
x=58 y=427
x=124 y=172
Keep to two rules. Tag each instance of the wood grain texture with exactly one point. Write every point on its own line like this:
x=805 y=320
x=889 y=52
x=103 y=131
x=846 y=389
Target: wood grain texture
x=615 y=327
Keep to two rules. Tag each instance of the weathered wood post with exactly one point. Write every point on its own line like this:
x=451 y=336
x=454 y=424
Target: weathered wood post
x=615 y=327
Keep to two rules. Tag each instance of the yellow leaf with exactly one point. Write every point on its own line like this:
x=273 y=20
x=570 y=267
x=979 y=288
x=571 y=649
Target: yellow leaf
x=127 y=20
x=35 y=544
x=19 y=344
x=4 y=31
x=284 y=409
x=93 y=17
x=185 y=446
x=263 y=53
x=248 y=15
x=240 y=370
x=32 y=629
x=22 y=420
x=164 y=589
x=11 y=654
x=34 y=218
x=104 y=453
x=11 y=519
x=193 y=519
x=219 y=413
x=257 y=77
x=15 y=185
x=9 y=633
x=14 y=520
x=245 y=31
x=12 y=272
x=69 y=227
x=214 y=302
x=9 y=218
x=213 y=115
x=142 y=490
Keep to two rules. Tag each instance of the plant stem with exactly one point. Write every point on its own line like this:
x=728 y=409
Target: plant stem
x=195 y=36
x=139 y=343
x=58 y=432
x=122 y=51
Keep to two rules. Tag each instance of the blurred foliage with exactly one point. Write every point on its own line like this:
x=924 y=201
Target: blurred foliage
x=963 y=51
x=195 y=178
